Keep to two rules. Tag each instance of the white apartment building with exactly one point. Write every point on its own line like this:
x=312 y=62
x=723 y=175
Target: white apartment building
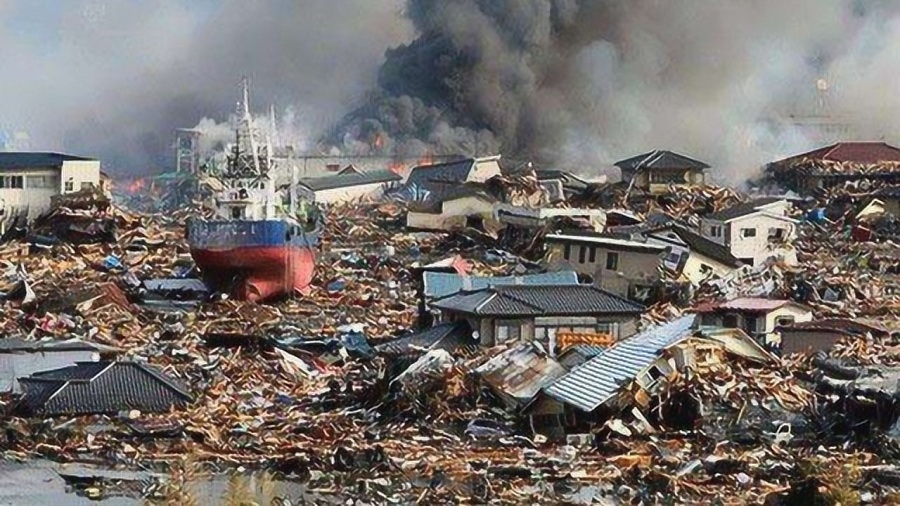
x=29 y=180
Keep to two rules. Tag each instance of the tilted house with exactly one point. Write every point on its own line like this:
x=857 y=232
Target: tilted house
x=542 y=313
x=626 y=268
x=657 y=172
x=755 y=231
x=427 y=180
x=455 y=208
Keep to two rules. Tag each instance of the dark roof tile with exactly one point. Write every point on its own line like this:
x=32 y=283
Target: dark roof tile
x=539 y=300
x=660 y=159
x=20 y=160
x=349 y=179
x=744 y=209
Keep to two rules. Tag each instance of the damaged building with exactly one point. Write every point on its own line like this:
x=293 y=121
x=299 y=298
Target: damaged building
x=840 y=163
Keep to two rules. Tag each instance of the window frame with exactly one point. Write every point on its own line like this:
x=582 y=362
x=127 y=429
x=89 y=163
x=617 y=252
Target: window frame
x=614 y=256
x=748 y=233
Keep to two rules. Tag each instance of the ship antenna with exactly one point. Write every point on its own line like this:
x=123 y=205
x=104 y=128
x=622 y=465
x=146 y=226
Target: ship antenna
x=248 y=123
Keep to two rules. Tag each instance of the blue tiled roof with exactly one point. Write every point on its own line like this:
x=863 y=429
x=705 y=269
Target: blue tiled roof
x=440 y=284
x=598 y=380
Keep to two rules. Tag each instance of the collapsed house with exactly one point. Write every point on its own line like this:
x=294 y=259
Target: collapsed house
x=629 y=375
x=20 y=358
x=844 y=162
x=693 y=256
x=822 y=335
x=432 y=180
x=626 y=268
x=465 y=206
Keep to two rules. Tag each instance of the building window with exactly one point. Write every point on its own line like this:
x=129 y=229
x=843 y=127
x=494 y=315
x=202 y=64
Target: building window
x=237 y=212
x=612 y=261
x=593 y=258
x=508 y=331
x=655 y=374
x=705 y=269
x=715 y=231
x=85 y=185
x=776 y=234
x=40 y=182
x=567 y=251
x=582 y=254
x=16 y=182
x=70 y=185
x=748 y=232
x=784 y=321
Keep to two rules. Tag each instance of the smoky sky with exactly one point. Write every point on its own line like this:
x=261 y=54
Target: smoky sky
x=573 y=83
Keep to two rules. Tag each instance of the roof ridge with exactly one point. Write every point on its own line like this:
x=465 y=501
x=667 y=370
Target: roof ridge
x=152 y=371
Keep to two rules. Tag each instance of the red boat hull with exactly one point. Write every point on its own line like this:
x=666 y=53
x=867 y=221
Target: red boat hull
x=257 y=273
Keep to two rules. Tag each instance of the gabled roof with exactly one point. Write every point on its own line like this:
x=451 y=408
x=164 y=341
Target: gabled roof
x=600 y=379
x=21 y=160
x=439 y=285
x=703 y=246
x=101 y=387
x=539 y=300
x=741 y=210
x=660 y=159
x=606 y=242
x=349 y=179
x=848 y=152
x=456 y=171
x=449 y=337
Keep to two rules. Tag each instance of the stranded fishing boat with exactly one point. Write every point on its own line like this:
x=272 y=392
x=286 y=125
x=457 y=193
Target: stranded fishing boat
x=261 y=243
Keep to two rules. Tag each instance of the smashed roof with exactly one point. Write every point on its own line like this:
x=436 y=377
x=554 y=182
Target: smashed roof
x=448 y=337
x=518 y=374
x=439 y=284
x=18 y=345
x=845 y=326
x=349 y=179
x=745 y=209
x=457 y=171
x=539 y=300
x=600 y=379
x=101 y=387
x=660 y=160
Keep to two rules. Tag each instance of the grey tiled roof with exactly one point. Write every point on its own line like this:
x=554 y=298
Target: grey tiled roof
x=539 y=300
x=448 y=337
x=101 y=387
x=661 y=159
x=598 y=380
x=742 y=209
x=15 y=160
x=350 y=179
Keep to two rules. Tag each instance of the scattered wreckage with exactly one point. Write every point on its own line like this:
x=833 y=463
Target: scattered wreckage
x=382 y=384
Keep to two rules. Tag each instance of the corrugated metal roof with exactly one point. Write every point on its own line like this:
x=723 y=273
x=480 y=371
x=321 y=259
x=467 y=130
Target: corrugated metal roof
x=755 y=304
x=448 y=337
x=175 y=285
x=599 y=379
x=440 y=284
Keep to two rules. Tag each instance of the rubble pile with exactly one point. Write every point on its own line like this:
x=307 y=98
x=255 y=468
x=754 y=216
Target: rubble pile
x=296 y=388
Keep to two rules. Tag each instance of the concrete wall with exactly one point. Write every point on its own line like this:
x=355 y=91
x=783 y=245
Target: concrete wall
x=20 y=365
x=80 y=174
x=365 y=192
x=633 y=267
x=35 y=199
